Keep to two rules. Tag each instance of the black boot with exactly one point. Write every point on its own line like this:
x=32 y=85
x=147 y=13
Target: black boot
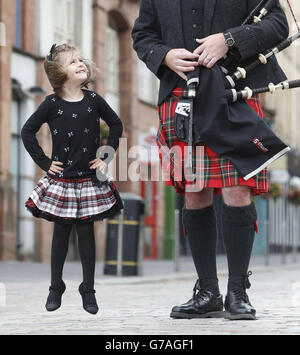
x=203 y=304
x=237 y=304
x=88 y=299
x=54 y=299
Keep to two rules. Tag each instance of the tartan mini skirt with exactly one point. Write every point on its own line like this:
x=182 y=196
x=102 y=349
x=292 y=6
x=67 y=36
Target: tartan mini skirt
x=216 y=172
x=74 y=200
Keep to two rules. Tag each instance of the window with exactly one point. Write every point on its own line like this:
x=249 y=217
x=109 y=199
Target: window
x=15 y=144
x=148 y=85
x=2 y=35
x=112 y=67
x=13 y=212
x=18 y=24
x=64 y=15
x=64 y=21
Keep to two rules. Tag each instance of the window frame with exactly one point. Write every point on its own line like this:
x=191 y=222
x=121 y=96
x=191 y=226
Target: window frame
x=112 y=57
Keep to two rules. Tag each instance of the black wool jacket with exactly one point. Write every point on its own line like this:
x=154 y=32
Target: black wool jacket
x=158 y=29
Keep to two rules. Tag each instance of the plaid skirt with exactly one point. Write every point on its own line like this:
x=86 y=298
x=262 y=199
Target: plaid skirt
x=211 y=171
x=74 y=201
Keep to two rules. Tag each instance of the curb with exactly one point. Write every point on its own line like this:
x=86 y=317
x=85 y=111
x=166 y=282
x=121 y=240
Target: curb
x=137 y=280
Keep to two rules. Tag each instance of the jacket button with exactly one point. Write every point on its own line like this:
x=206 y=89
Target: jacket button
x=152 y=51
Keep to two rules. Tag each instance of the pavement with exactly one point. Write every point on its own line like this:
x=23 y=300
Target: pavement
x=140 y=305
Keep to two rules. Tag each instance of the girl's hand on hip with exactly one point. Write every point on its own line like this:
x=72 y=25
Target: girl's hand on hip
x=98 y=163
x=55 y=168
x=211 y=49
x=181 y=61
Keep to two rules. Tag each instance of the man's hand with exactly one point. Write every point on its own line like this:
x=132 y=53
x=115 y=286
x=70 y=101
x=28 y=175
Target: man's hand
x=181 y=61
x=212 y=49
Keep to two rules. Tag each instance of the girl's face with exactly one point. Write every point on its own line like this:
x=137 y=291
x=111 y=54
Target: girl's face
x=74 y=67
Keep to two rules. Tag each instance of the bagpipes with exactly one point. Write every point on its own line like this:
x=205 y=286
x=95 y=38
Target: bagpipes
x=215 y=113
x=246 y=94
x=256 y=15
x=241 y=73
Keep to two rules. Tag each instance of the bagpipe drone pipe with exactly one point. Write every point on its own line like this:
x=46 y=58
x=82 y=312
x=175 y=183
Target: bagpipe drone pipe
x=233 y=95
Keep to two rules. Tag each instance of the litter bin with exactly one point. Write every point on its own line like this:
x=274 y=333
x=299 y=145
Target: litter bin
x=130 y=238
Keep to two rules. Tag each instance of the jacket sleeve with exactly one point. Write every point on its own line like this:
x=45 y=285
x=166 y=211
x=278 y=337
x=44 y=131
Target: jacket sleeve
x=28 y=134
x=259 y=37
x=114 y=123
x=147 y=41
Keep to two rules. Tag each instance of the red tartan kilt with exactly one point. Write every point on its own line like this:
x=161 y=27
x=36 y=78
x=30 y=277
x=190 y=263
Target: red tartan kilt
x=216 y=172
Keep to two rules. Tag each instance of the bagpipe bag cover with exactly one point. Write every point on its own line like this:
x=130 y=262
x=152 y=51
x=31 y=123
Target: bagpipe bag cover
x=234 y=131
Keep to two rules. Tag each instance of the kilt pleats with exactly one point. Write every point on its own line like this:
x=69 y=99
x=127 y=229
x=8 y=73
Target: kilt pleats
x=212 y=171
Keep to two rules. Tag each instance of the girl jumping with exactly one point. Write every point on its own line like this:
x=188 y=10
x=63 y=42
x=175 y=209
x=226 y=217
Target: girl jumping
x=71 y=193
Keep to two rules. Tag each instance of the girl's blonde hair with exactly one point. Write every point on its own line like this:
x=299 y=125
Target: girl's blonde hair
x=55 y=72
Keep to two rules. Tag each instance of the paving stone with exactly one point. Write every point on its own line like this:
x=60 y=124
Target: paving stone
x=143 y=307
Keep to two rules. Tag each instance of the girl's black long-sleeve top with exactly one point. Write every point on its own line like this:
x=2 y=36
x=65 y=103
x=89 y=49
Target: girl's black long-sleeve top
x=75 y=130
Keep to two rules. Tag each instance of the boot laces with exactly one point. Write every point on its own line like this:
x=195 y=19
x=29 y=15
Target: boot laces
x=240 y=293
x=199 y=293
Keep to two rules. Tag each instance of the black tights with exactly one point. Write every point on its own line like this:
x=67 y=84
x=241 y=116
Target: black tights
x=86 y=246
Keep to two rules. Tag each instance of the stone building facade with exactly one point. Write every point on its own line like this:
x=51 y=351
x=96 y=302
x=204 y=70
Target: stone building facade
x=101 y=30
x=7 y=206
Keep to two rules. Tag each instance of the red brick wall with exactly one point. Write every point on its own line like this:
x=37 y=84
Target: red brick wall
x=8 y=199
x=132 y=110
x=136 y=116
x=7 y=232
x=28 y=26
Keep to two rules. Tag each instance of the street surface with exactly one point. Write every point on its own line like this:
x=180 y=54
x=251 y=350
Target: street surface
x=141 y=305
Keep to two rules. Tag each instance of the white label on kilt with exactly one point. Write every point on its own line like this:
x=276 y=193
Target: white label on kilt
x=183 y=108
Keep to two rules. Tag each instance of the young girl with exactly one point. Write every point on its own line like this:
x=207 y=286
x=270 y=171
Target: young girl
x=71 y=193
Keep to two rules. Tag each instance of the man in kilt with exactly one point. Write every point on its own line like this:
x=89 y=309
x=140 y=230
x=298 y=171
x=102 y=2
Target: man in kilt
x=173 y=37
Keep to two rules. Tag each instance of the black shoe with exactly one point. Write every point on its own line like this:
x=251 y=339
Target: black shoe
x=237 y=304
x=54 y=299
x=88 y=299
x=204 y=304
